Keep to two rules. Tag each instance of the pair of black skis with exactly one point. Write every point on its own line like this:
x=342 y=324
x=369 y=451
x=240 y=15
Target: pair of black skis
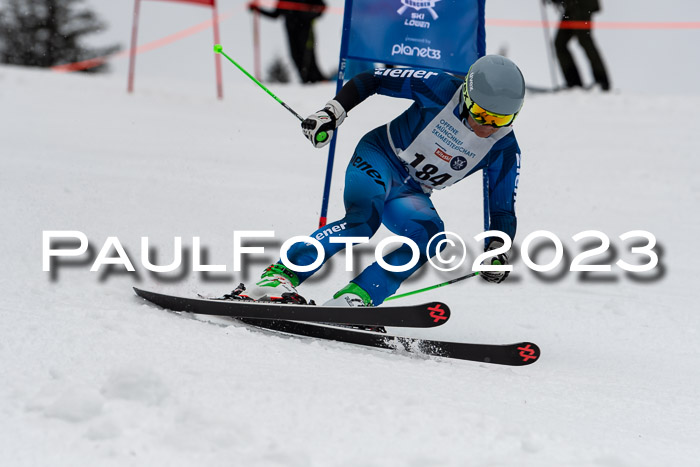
x=321 y=322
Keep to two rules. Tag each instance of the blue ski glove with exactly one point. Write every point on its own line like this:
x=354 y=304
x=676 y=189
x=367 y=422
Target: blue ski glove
x=496 y=276
x=318 y=127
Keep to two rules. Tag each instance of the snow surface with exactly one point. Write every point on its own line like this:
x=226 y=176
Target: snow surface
x=93 y=376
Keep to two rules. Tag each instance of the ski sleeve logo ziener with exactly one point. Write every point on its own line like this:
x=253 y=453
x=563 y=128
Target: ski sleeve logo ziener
x=405 y=73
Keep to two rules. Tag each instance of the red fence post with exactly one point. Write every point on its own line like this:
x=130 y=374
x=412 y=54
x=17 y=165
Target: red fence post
x=217 y=57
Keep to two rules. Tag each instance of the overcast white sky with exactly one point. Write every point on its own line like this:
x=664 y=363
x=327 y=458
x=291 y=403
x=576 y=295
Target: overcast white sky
x=657 y=61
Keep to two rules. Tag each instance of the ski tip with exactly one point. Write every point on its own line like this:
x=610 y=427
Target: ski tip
x=140 y=292
x=437 y=313
x=527 y=353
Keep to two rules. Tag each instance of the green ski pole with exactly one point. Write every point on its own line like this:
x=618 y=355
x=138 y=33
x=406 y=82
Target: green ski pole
x=220 y=50
x=393 y=297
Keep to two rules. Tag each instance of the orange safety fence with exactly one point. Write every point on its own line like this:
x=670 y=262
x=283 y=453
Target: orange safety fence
x=518 y=23
x=290 y=5
x=85 y=64
x=296 y=6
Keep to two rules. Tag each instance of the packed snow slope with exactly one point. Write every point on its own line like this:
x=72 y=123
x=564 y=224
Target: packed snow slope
x=91 y=375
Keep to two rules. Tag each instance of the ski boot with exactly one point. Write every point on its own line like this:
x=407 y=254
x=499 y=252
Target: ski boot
x=353 y=295
x=277 y=285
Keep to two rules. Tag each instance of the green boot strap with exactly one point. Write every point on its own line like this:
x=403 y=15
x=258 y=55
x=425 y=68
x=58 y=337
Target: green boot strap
x=279 y=268
x=357 y=290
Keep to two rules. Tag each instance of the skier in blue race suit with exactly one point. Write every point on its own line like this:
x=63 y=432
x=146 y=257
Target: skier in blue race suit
x=453 y=129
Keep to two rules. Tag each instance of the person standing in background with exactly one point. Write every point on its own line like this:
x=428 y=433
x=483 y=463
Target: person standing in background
x=579 y=11
x=298 y=20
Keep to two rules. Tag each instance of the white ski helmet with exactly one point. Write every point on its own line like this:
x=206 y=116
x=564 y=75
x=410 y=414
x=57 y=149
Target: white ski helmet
x=495 y=84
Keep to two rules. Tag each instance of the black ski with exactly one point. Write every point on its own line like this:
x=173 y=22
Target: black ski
x=426 y=315
x=522 y=353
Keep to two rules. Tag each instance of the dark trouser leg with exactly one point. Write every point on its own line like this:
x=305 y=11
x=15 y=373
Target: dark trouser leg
x=313 y=72
x=600 y=75
x=298 y=34
x=566 y=60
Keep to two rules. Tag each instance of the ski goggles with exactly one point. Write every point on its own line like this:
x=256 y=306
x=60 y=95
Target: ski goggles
x=483 y=116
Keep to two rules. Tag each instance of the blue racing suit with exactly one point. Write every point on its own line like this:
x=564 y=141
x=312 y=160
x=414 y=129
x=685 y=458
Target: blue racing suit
x=395 y=168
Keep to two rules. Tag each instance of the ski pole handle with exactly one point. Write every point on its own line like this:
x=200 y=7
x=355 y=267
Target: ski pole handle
x=220 y=50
